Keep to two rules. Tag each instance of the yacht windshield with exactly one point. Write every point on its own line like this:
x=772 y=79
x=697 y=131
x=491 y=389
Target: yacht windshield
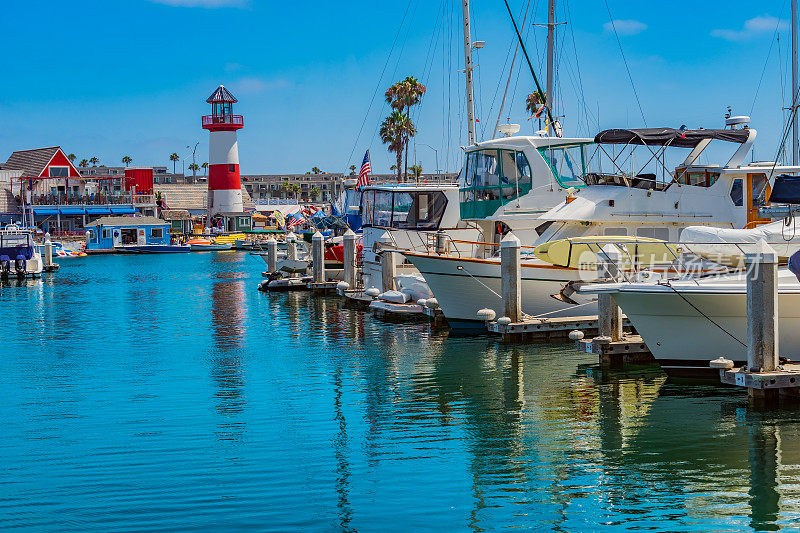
x=568 y=164
x=412 y=210
x=490 y=178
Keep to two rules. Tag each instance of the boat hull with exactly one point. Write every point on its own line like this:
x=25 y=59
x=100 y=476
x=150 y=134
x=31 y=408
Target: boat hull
x=210 y=247
x=153 y=249
x=683 y=340
x=463 y=286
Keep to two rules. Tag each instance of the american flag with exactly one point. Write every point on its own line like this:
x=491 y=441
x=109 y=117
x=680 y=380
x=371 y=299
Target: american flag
x=366 y=170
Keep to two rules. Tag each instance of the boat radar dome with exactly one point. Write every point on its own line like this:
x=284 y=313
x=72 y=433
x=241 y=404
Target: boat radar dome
x=508 y=129
x=732 y=122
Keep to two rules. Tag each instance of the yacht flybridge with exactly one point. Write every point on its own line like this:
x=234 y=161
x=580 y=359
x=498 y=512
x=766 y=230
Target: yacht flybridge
x=618 y=200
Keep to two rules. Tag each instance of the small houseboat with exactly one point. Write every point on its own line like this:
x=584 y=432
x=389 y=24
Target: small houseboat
x=130 y=235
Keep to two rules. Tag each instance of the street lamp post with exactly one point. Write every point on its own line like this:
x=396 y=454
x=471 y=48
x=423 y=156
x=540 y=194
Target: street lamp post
x=436 y=152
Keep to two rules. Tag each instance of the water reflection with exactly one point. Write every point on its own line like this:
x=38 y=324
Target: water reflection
x=228 y=314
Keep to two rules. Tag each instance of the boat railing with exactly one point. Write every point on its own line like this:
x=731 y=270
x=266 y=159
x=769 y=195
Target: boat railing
x=89 y=199
x=628 y=260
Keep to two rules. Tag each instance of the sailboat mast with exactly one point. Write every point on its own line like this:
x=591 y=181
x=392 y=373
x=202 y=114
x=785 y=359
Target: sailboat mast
x=551 y=31
x=468 y=69
x=794 y=83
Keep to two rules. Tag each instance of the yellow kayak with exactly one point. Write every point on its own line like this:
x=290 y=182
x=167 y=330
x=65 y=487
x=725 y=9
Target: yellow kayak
x=581 y=252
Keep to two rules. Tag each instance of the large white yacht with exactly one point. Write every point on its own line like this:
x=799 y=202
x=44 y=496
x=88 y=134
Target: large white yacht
x=625 y=202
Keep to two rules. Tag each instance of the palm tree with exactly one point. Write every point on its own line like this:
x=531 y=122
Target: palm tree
x=94 y=161
x=127 y=160
x=416 y=171
x=194 y=167
x=393 y=168
x=83 y=163
x=174 y=157
x=352 y=170
x=401 y=96
x=534 y=104
x=316 y=170
x=71 y=158
x=205 y=168
x=314 y=192
x=396 y=128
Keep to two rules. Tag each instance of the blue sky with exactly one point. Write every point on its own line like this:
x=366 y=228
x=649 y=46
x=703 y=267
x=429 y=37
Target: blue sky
x=130 y=77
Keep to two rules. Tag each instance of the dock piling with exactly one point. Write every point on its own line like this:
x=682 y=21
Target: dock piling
x=388 y=270
x=318 y=257
x=762 y=297
x=349 y=244
x=48 y=251
x=272 y=255
x=511 y=277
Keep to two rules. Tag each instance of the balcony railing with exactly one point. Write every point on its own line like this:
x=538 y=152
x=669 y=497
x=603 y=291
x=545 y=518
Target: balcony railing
x=92 y=199
x=233 y=120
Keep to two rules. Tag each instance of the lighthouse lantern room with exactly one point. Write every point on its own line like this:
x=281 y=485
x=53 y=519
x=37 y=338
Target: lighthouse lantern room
x=224 y=183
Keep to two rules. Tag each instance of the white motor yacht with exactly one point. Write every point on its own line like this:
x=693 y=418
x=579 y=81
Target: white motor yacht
x=624 y=203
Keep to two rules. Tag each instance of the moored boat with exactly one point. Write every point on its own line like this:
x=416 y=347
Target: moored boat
x=19 y=258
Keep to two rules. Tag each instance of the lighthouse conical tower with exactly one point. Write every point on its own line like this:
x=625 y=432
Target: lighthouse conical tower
x=224 y=183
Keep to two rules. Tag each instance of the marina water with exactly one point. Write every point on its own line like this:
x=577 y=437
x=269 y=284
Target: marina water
x=164 y=393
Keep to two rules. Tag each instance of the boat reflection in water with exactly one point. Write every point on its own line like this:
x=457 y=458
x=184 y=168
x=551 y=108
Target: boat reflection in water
x=548 y=435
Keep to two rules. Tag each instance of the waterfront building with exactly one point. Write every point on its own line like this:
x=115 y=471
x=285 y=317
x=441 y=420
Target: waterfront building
x=42 y=187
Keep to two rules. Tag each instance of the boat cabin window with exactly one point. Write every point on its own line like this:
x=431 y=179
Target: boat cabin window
x=107 y=234
x=157 y=233
x=616 y=232
x=653 y=233
x=91 y=236
x=568 y=164
x=698 y=178
x=490 y=178
x=415 y=210
x=737 y=193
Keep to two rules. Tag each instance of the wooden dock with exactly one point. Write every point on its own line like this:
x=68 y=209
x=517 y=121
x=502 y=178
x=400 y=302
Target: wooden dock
x=630 y=349
x=545 y=329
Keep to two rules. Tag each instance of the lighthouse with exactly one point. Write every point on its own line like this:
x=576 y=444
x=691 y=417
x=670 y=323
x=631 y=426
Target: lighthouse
x=224 y=184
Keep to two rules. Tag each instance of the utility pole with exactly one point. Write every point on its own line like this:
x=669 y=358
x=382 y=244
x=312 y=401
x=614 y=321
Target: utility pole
x=468 y=70
x=551 y=31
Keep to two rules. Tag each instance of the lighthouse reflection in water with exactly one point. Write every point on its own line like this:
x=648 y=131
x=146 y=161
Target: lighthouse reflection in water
x=165 y=393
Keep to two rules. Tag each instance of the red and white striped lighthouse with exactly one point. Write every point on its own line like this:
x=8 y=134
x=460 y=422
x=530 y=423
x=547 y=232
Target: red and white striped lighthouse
x=224 y=183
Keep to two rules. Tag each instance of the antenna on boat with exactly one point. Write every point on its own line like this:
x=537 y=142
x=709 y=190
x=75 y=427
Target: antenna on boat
x=551 y=36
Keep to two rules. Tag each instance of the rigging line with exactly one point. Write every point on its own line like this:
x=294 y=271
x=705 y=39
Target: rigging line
x=624 y=60
x=766 y=61
x=459 y=267
x=586 y=112
x=510 y=73
x=728 y=333
x=528 y=31
x=528 y=59
x=782 y=147
x=380 y=82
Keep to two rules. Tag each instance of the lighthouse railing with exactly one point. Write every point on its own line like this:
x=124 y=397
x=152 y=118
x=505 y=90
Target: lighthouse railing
x=234 y=120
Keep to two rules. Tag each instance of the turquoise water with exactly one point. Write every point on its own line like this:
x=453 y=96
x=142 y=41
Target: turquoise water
x=164 y=393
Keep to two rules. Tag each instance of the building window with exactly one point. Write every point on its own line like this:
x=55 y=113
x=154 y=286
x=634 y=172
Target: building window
x=231 y=168
x=157 y=233
x=107 y=234
x=243 y=222
x=59 y=172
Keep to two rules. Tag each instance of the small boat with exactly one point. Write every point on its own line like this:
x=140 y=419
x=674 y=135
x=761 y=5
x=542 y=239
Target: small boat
x=18 y=255
x=204 y=245
x=152 y=248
